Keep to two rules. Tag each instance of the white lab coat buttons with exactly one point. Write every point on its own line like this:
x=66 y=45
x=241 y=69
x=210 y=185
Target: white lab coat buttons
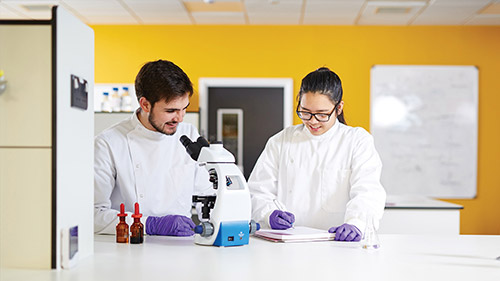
x=138 y=166
x=141 y=195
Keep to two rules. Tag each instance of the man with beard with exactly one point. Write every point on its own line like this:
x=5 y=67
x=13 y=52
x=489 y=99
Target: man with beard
x=142 y=160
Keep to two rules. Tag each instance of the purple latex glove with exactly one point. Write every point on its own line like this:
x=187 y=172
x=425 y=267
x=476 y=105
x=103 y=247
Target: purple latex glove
x=171 y=225
x=281 y=219
x=346 y=232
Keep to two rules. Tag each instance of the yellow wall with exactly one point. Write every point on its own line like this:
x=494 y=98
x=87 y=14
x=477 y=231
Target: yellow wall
x=293 y=51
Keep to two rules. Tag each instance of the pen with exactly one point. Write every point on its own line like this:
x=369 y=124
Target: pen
x=280 y=207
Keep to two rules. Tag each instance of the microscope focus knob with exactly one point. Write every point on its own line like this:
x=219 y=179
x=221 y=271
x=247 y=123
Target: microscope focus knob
x=204 y=229
x=254 y=226
x=213 y=177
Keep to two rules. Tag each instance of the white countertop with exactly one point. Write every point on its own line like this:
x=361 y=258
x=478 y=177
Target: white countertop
x=417 y=202
x=401 y=257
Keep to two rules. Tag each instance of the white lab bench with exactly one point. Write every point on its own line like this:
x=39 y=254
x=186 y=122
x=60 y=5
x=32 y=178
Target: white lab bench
x=419 y=215
x=401 y=257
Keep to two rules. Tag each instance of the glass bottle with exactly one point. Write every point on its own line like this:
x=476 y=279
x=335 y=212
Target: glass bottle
x=122 y=226
x=370 y=239
x=126 y=103
x=137 y=228
x=3 y=83
x=105 y=104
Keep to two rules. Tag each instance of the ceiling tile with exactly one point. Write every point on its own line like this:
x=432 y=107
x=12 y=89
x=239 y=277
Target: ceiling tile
x=267 y=7
x=7 y=14
x=32 y=9
x=159 y=11
x=204 y=0
x=356 y=2
x=169 y=6
x=372 y=13
x=110 y=19
x=169 y=20
x=90 y=8
x=331 y=12
x=274 y=20
x=491 y=9
x=484 y=20
x=279 y=12
x=219 y=18
x=446 y=12
x=337 y=7
x=458 y=2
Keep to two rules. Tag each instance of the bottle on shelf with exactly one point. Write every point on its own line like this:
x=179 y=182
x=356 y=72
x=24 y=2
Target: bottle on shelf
x=3 y=83
x=126 y=103
x=115 y=100
x=105 y=104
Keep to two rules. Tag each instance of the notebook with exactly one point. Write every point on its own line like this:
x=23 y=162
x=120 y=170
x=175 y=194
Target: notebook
x=296 y=234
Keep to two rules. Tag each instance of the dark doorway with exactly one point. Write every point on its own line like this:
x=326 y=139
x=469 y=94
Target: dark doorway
x=262 y=116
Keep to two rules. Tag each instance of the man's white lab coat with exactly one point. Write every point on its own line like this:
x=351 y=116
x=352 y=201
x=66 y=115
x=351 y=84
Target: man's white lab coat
x=324 y=180
x=134 y=164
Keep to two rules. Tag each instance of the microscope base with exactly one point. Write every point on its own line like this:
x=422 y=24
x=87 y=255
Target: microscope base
x=234 y=233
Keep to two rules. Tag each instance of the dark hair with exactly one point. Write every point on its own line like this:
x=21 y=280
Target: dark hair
x=162 y=80
x=326 y=82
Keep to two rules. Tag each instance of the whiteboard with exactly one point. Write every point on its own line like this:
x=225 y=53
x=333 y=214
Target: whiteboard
x=424 y=120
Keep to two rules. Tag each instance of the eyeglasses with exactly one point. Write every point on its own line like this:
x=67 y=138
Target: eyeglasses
x=321 y=117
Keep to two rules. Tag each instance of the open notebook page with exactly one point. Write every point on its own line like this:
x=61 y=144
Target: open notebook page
x=296 y=234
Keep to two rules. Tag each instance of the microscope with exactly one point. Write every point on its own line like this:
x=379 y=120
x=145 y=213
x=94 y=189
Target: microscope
x=229 y=222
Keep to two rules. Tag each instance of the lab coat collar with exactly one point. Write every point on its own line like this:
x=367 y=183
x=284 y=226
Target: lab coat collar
x=138 y=126
x=324 y=136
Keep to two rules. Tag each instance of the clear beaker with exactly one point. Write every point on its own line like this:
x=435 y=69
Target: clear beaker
x=370 y=239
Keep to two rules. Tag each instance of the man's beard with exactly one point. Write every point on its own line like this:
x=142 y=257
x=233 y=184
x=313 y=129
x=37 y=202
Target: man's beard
x=159 y=127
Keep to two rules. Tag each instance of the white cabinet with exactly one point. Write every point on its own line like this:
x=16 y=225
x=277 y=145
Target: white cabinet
x=25 y=106
x=46 y=147
x=25 y=205
x=419 y=215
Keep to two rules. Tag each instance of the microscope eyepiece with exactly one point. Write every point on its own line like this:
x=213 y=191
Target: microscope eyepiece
x=185 y=141
x=194 y=148
x=202 y=141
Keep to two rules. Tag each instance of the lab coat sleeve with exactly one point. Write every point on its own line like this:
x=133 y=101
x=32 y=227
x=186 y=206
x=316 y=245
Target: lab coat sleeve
x=105 y=218
x=263 y=181
x=367 y=195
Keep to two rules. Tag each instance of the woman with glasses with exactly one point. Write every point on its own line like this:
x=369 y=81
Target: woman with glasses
x=322 y=173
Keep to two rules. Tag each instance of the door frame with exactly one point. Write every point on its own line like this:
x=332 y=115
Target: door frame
x=285 y=83
x=220 y=137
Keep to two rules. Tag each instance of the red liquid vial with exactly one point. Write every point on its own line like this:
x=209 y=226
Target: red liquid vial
x=137 y=228
x=122 y=227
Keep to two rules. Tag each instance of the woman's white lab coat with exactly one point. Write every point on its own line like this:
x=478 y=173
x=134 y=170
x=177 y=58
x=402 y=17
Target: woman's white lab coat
x=134 y=164
x=323 y=180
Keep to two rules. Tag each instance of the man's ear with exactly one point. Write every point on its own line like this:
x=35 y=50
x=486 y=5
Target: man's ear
x=145 y=104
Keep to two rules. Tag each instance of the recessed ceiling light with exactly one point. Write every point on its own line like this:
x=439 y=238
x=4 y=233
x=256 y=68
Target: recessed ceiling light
x=397 y=3
x=392 y=10
x=36 y=7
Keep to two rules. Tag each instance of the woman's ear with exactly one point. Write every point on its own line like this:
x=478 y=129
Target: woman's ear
x=340 y=107
x=145 y=104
